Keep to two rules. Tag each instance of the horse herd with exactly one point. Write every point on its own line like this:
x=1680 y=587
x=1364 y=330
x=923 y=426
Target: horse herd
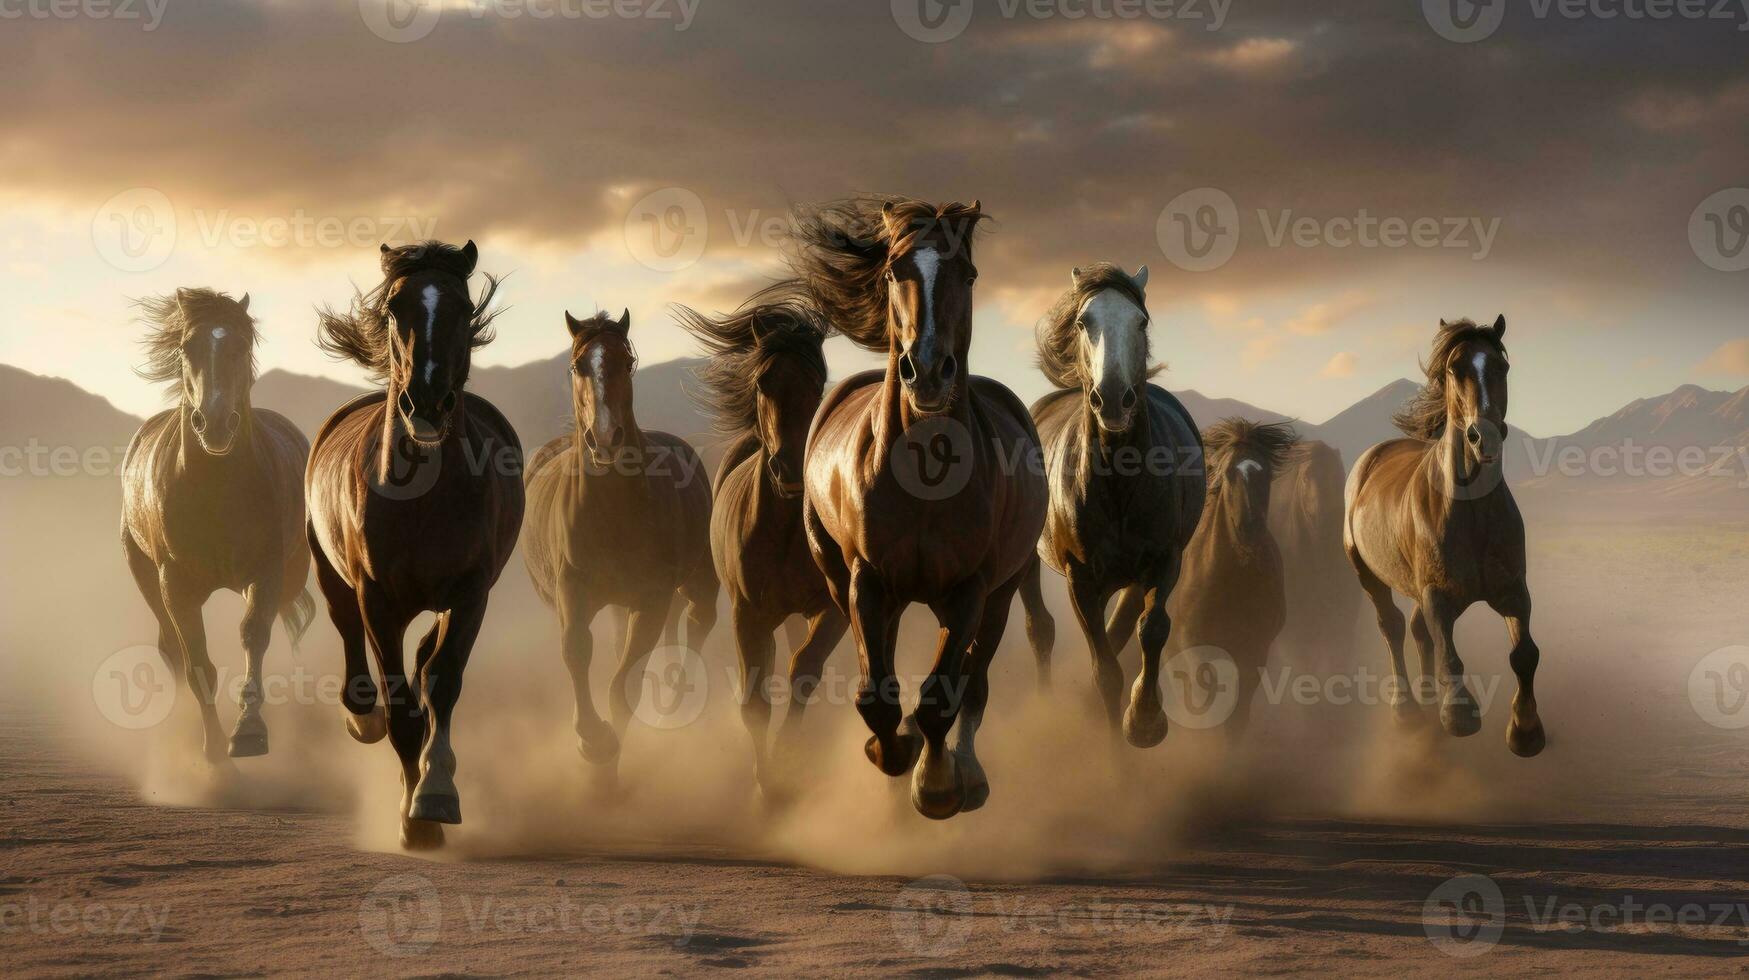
x=917 y=483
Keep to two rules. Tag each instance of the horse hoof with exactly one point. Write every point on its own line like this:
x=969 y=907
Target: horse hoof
x=976 y=784
x=246 y=745
x=436 y=809
x=1525 y=741
x=936 y=789
x=1144 y=730
x=894 y=761
x=1460 y=718
x=603 y=750
x=421 y=835
x=1407 y=712
x=368 y=728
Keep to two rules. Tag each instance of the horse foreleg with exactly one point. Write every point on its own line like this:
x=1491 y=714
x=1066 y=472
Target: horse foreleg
x=1458 y=713
x=977 y=697
x=249 y=737
x=643 y=633
x=1426 y=686
x=596 y=741
x=875 y=619
x=1524 y=733
x=386 y=630
x=1088 y=601
x=435 y=797
x=806 y=664
x=1041 y=626
x=1144 y=723
x=757 y=650
x=936 y=789
x=183 y=603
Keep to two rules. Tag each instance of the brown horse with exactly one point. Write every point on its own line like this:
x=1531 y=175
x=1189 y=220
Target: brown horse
x=1305 y=515
x=1124 y=464
x=620 y=516
x=1231 y=596
x=1430 y=516
x=922 y=481
x=415 y=497
x=210 y=500
x=762 y=384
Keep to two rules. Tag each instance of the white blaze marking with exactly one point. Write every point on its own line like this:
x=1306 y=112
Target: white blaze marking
x=597 y=362
x=1109 y=315
x=1248 y=466
x=928 y=262
x=429 y=297
x=1480 y=362
x=218 y=334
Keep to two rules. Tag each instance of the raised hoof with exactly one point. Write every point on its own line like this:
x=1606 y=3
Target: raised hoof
x=368 y=728
x=936 y=789
x=1144 y=730
x=896 y=757
x=975 y=785
x=1460 y=718
x=1525 y=741
x=600 y=750
x=245 y=745
x=436 y=809
x=421 y=835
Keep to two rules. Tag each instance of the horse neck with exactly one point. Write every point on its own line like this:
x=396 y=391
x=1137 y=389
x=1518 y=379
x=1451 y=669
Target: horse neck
x=1448 y=466
x=394 y=427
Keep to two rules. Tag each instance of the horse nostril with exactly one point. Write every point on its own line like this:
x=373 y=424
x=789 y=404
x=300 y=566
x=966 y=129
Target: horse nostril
x=589 y=438
x=1094 y=400
x=448 y=404
x=1129 y=399
x=1474 y=435
x=617 y=438
x=233 y=420
x=406 y=403
x=907 y=370
x=197 y=418
x=948 y=367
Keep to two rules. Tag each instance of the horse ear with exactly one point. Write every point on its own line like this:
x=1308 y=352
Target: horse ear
x=1500 y=326
x=890 y=221
x=1140 y=278
x=244 y=302
x=625 y=320
x=1442 y=323
x=470 y=255
x=573 y=324
x=1075 y=276
x=385 y=255
x=977 y=206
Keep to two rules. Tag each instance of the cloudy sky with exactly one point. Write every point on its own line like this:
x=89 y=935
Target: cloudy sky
x=1313 y=186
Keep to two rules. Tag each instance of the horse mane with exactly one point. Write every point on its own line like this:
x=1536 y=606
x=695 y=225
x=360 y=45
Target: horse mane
x=1059 y=338
x=1423 y=416
x=172 y=319
x=841 y=251
x=1273 y=441
x=777 y=321
x=361 y=335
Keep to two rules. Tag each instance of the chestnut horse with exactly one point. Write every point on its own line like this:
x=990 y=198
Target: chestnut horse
x=921 y=482
x=1430 y=516
x=210 y=500
x=1125 y=468
x=762 y=384
x=415 y=497
x=619 y=516
x=1305 y=516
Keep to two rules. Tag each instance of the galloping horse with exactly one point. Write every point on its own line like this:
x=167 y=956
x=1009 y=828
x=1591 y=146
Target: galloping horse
x=1125 y=468
x=210 y=500
x=1305 y=516
x=1231 y=595
x=920 y=480
x=762 y=384
x=1430 y=516
x=620 y=516
x=415 y=497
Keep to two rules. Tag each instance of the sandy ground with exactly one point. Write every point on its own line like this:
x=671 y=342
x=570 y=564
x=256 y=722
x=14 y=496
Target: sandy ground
x=1330 y=840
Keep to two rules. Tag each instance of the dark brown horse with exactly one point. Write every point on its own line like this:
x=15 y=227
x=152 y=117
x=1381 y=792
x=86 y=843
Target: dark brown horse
x=1231 y=596
x=415 y=497
x=619 y=516
x=762 y=385
x=1305 y=515
x=210 y=500
x=1124 y=464
x=922 y=481
x=1430 y=516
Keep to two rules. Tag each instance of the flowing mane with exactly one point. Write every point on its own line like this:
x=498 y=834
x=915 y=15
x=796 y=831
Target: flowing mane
x=1059 y=350
x=1423 y=417
x=361 y=334
x=775 y=322
x=842 y=250
x=1273 y=441
x=172 y=320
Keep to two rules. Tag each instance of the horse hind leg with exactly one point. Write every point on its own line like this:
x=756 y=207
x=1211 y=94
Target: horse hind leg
x=1041 y=626
x=757 y=650
x=806 y=665
x=1390 y=620
x=366 y=719
x=1426 y=688
x=700 y=595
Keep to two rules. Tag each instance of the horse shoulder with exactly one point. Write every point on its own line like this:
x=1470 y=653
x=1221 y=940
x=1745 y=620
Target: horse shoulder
x=1006 y=403
x=359 y=403
x=840 y=392
x=485 y=414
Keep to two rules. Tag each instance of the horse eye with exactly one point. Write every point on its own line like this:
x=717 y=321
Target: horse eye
x=1080 y=324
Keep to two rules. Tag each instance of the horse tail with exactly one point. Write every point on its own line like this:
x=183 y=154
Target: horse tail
x=298 y=615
